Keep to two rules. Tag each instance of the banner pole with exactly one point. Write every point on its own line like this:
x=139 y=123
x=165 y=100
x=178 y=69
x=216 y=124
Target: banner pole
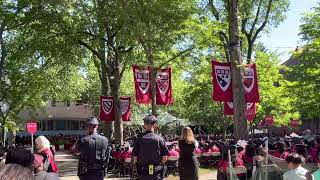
x=32 y=149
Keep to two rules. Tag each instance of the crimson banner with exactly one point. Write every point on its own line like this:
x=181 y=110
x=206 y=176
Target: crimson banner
x=106 y=108
x=250 y=111
x=228 y=108
x=142 y=84
x=221 y=80
x=164 y=87
x=125 y=108
x=250 y=83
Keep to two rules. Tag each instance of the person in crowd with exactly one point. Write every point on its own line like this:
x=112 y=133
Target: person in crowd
x=215 y=148
x=15 y=172
x=280 y=150
x=316 y=174
x=173 y=152
x=94 y=152
x=240 y=151
x=301 y=149
x=126 y=153
x=39 y=172
x=18 y=165
x=224 y=162
x=313 y=151
x=43 y=148
x=248 y=155
x=2 y=157
x=188 y=163
x=296 y=172
x=20 y=156
x=150 y=151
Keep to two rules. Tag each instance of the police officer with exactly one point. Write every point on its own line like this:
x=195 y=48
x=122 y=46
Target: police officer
x=150 y=151
x=94 y=152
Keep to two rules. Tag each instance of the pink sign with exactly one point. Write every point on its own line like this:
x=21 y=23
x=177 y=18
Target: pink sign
x=32 y=127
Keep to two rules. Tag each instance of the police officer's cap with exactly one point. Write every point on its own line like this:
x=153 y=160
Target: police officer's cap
x=150 y=119
x=92 y=120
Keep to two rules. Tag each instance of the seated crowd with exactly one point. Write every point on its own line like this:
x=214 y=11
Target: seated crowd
x=210 y=151
x=248 y=154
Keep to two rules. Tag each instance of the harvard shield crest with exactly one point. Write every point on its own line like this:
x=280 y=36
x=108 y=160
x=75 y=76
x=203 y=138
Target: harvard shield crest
x=124 y=106
x=163 y=82
x=107 y=105
x=223 y=76
x=142 y=77
x=248 y=79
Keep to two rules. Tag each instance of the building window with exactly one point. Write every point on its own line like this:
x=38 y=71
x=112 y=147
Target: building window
x=60 y=125
x=50 y=125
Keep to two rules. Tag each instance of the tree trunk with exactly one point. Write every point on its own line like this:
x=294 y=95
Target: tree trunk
x=118 y=125
x=153 y=85
x=239 y=104
x=104 y=91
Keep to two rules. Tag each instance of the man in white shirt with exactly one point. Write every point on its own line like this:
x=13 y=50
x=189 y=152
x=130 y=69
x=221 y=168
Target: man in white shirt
x=296 y=172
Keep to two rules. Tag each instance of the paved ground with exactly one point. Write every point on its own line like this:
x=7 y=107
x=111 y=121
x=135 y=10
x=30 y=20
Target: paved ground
x=67 y=165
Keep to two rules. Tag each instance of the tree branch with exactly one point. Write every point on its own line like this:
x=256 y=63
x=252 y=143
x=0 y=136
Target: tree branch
x=176 y=56
x=256 y=19
x=214 y=10
x=95 y=52
x=96 y=64
x=264 y=23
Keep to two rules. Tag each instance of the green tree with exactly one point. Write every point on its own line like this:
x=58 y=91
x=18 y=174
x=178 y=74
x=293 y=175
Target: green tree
x=276 y=98
x=31 y=69
x=156 y=27
x=305 y=75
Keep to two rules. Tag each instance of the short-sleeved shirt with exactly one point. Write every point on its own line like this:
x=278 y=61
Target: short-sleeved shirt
x=149 y=148
x=93 y=148
x=296 y=174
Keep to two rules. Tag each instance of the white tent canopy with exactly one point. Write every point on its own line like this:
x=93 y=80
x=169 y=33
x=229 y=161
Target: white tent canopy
x=167 y=118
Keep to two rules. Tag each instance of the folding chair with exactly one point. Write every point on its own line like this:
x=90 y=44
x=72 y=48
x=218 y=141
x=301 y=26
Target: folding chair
x=172 y=165
x=215 y=156
x=206 y=158
x=126 y=166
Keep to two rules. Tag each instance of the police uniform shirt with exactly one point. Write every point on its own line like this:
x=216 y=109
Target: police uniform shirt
x=150 y=148
x=93 y=148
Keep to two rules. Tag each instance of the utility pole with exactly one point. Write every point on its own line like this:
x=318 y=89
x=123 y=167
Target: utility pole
x=240 y=123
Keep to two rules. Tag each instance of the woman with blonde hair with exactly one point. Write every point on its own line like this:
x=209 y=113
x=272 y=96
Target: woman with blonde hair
x=43 y=148
x=188 y=163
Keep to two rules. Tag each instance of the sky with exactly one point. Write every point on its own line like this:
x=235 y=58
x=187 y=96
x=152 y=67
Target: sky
x=285 y=38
